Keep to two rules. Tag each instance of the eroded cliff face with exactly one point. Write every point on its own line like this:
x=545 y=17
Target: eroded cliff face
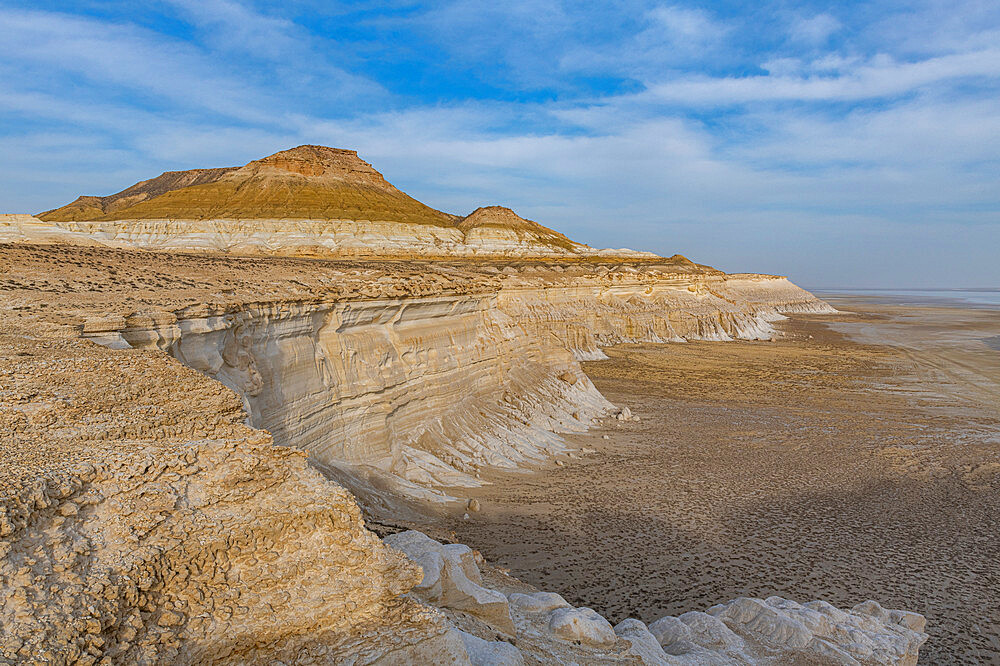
x=587 y=311
x=142 y=522
x=428 y=389
x=179 y=384
x=328 y=238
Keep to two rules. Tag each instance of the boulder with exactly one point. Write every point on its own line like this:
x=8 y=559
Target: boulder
x=539 y=602
x=490 y=653
x=452 y=579
x=669 y=630
x=583 y=625
x=868 y=633
x=642 y=643
x=446 y=649
x=711 y=632
x=780 y=625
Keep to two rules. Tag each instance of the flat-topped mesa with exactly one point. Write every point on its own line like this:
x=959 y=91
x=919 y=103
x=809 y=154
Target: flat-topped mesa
x=318 y=163
x=306 y=201
x=303 y=183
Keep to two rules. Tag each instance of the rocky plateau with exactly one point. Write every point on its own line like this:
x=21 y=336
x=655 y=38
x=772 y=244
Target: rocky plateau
x=212 y=378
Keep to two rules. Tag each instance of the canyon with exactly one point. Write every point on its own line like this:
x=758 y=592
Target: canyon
x=214 y=378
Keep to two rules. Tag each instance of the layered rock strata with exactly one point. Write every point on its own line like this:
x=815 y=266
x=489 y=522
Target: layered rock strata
x=635 y=303
x=147 y=515
x=305 y=201
x=314 y=238
x=419 y=374
x=142 y=521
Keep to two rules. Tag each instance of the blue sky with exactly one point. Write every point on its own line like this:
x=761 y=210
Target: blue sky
x=844 y=144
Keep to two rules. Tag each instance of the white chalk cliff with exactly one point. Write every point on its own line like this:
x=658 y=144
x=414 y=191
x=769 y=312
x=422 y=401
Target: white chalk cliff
x=431 y=389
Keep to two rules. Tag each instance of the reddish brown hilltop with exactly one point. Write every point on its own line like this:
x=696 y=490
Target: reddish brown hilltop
x=307 y=182
x=92 y=208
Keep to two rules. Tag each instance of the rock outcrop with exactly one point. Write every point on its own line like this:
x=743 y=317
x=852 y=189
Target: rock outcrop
x=141 y=521
x=417 y=375
x=547 y=629
x=305 y=201
x=19 y=228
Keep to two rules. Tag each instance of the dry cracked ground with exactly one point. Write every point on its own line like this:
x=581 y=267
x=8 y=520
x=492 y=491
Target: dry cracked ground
x=811 y=467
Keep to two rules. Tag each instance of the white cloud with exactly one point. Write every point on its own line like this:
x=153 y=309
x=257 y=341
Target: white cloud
x=114 y=57
x=687 y=28
x=123 y=56
x=669 y=36
x=236 y=26
x=881 y=76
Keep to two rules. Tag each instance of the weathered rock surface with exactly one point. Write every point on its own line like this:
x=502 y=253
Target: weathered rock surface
x=451 y=579
x=490 y=653
x=413 y=376
x=144 y=517
x=642 y=643
x=867 y=633
x=583 y=625
x=142 y=521
x=305 y=201
x=21 y=228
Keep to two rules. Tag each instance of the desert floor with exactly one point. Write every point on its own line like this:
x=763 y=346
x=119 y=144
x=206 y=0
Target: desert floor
x=815 y=466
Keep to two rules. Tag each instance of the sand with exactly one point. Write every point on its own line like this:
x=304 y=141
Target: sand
x=810 y=467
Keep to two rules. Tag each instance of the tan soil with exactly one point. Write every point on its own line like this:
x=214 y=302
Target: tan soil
x=811 y=467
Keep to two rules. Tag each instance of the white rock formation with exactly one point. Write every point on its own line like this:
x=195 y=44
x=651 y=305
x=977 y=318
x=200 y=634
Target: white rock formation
x=429 y=390
x=582 y=625
x=539 y=602
x=642 y=643
x=452 y=580
x=867 y=633
x=490 y=653
x=304 y=237
x=23 y=228
x=595 y=309
x=744 y=632
x=143 y=522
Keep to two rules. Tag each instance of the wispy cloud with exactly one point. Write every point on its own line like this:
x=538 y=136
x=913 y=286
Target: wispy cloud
x=881 y=76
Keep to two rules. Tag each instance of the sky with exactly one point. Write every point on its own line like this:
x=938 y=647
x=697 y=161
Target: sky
x=843 y=144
